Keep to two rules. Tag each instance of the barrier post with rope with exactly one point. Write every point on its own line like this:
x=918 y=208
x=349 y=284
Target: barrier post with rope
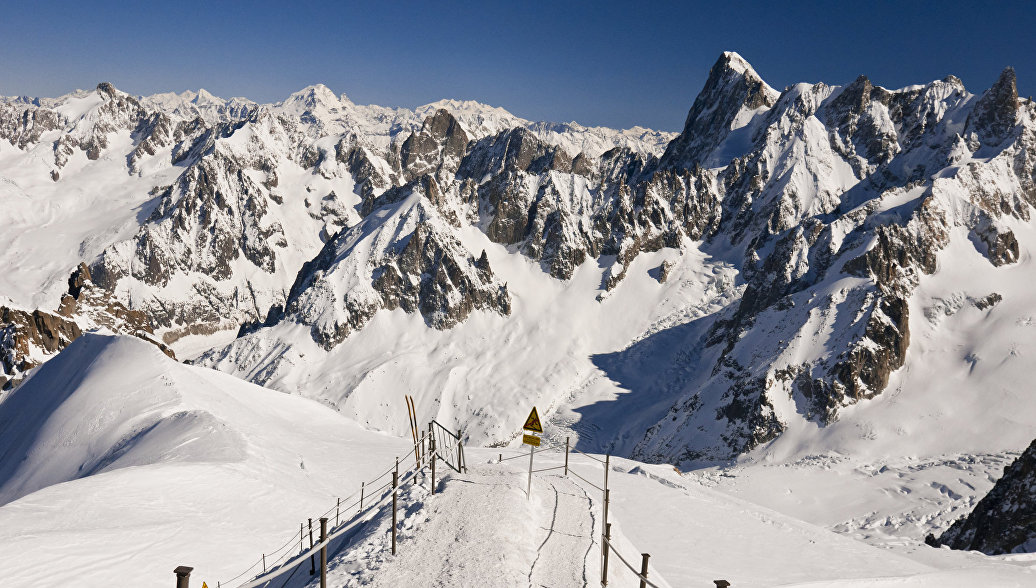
x=183 y=576
x=312 y=564
x=323 y=552
x=395 y=483
x=566 y=456
x=604 y=569
x=643 y=570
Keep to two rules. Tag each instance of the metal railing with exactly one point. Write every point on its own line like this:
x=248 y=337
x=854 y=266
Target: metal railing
x=448 y=445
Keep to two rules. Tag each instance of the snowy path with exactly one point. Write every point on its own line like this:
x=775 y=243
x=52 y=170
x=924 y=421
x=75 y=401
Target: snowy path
x=569 y=531
x=480 y=529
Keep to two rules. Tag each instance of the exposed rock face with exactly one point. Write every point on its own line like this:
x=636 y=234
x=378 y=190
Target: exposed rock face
x=1004 y=521
x=403 y=256
x=26 y=338
x=733 y=88
x=30 y=338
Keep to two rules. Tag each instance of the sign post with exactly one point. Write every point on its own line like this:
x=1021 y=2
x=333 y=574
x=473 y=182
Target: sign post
x=531 y=424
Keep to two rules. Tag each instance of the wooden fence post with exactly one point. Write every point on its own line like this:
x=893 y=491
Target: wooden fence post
x=644 y=570
x=395 y=482
x=607 y=538
x=312 y=562
x=361 y=496
x=566 y=456
x=323 y=553
x=433 y=474
x=338 y=510
x=183 y=576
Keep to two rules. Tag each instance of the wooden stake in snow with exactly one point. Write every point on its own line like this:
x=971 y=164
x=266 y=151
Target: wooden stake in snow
x=395 y=482
x=323 y=553
x=183 y=576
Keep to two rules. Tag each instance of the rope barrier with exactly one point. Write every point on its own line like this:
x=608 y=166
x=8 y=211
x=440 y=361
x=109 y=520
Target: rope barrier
x=267 y=577
x=588 y=455
x=631 y=568
x=571 y=471
x=408 y=474
x=548 y=469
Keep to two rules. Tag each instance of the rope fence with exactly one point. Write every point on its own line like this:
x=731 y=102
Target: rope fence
x=271 y=565
x=606 y=544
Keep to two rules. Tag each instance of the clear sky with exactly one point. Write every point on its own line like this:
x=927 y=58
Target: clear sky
x=608 y=62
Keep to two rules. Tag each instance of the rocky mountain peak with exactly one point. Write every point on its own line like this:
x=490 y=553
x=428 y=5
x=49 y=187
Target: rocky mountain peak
x=438 y=145
x=106 y=89
x=995 y=113
x=732 y=88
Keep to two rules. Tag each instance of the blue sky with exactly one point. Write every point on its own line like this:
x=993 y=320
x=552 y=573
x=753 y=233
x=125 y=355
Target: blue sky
x=603 y=63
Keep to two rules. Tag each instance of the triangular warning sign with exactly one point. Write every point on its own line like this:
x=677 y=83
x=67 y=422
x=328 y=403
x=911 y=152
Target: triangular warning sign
x=533 y=422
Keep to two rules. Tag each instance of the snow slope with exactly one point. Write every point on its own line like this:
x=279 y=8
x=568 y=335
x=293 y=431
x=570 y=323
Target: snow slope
x=120 y=464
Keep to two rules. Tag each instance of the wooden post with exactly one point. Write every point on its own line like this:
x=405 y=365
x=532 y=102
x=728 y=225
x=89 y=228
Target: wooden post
x=500 y=458
x=264 y=563
x=395 y=482
x=183 y=576
x=566 y=456
x=302 y=533
x=643 y=570
x=433 y=474
x=312 y=563
x=338 y=510
x=607 y=538
x=323 y=553
x=460 y=453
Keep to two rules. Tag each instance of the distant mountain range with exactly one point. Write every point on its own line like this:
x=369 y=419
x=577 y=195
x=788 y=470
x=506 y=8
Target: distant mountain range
x=684 y=298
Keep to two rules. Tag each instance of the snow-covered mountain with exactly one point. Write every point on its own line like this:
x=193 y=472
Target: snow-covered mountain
x=786 y=258
x=818 y=300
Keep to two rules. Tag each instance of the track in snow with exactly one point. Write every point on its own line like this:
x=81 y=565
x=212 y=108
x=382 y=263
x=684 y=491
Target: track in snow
x=570 y=531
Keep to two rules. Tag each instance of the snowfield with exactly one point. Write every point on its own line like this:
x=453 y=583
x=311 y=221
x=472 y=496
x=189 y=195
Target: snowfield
x=120 y=464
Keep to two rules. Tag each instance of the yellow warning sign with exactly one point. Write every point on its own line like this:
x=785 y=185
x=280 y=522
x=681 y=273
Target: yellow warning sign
x=533 y=422
x=204 y=585
x=531 y=440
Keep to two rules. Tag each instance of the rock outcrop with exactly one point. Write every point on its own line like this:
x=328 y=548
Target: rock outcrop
x=1004 y=521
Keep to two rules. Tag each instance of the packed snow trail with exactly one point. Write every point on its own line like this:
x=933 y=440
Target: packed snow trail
x=569 y=533
x=480 y=529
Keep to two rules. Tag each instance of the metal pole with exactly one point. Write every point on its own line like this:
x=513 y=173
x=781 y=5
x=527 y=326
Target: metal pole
x=395 y=481
x=361 y=496
x=323 y=553
x=643 y=570
x=338 y=510
x=528 y=488
x=312 y=563
x=604 y=568
x=566 y=456
x=604 y=543
x=302 y=533
x=183 y=576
